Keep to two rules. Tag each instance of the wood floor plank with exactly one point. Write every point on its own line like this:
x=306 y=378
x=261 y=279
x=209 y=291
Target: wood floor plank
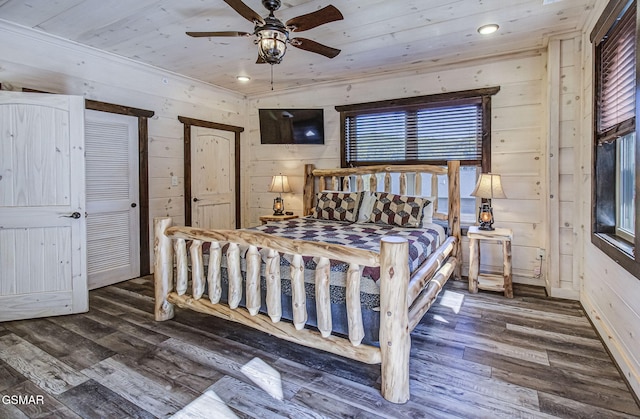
x=484 y=343
x=529 y=338
x=159 y=399
x=503 y=307
x=254 y=401
x=83 y=326
x=93 y=400
x=48 y=373
x=67 y=346
x=207 y=405
x=9 y=377
x=484 y=387
x=9 y=411
x=596 y=368
x=116 y=323
x=567 y=408
x=175 y=367
x=364 y=397
x=583 y=330
x=226 y=362
x=331 y=407
x=555 y=381
x=423 y=352
x=41 y=405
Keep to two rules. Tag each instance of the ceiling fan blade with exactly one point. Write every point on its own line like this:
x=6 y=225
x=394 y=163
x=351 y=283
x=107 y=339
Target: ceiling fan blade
x=245 y=11
x=223 y=33
x=313 y=46
x=311 y=20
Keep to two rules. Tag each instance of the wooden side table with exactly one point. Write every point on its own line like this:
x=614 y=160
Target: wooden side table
x=486 y=281
x=266 y=218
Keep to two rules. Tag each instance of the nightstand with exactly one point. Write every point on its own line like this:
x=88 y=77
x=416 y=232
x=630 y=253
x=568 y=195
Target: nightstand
x=486 y=281
x=266 y=218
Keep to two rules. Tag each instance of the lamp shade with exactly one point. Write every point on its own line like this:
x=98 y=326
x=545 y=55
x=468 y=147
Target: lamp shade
x=280 y=183
x=489 y=186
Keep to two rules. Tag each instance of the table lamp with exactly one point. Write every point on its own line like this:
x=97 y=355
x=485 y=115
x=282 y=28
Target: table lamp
x=489 y=186
x=280 y=184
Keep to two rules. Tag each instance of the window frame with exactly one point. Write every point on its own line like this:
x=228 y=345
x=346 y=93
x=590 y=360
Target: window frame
x=481 y=97
x=411 y=104
x=604 y=157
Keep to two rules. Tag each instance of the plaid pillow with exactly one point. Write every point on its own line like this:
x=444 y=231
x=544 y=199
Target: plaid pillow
x=399 y=210
x=338 y=206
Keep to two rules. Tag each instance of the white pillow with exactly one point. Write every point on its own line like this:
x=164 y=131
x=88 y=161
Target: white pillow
x=427 y=213
x=366 y=206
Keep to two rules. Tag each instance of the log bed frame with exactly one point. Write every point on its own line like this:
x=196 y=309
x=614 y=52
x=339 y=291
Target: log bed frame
x=404 y=299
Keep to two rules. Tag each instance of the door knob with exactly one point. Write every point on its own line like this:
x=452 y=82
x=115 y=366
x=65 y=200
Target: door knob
x=75 y=215
x=195 y=199
x=133 y=205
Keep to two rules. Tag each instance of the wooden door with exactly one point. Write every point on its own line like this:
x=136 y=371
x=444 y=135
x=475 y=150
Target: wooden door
x=213 y=178
x=42 y=206
x=113 y=213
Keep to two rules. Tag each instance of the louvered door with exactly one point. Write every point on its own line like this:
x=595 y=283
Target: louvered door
x=113 y=221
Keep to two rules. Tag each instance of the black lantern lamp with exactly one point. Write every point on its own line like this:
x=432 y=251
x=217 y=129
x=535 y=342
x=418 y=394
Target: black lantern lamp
x=489 y=186
x=280 y=184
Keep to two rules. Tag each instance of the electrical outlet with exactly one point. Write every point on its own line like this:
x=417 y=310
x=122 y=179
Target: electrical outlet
x=541 y=254
x=174 y=180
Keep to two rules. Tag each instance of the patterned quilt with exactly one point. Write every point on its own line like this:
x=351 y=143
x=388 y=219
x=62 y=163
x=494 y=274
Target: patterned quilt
x=422 y=242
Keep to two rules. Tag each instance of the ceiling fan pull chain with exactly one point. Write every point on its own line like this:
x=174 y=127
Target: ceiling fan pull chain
x=271 y=76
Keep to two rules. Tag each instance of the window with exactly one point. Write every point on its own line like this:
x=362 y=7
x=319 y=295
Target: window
x=614 y=228
x=426 y=129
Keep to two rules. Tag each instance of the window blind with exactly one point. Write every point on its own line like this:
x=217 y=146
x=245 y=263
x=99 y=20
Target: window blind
x=617 y=77
x=429 y=134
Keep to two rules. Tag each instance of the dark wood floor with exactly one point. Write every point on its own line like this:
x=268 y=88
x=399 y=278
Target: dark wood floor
x=472 y=356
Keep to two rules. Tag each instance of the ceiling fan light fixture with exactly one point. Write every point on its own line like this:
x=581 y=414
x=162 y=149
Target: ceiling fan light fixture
x=243 y=79
x=488 y=29
x=272 y=45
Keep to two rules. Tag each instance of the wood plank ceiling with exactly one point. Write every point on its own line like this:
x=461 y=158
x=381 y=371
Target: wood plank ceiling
x=376 y=36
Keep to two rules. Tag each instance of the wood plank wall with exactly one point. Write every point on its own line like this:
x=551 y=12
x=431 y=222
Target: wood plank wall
x=565 y=236
x=518 y=144
x=29 y=59
x=609 y=294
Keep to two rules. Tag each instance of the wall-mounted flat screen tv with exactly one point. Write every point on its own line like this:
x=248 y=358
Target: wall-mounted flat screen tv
x=291 y=126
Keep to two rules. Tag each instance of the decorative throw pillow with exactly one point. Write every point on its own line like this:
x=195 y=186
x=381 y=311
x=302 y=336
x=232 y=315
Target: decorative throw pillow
x=338 y=206
x=399 y=210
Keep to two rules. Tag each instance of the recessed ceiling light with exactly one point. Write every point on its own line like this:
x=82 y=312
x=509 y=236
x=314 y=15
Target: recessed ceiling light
x=488 y=29
x=243 y=79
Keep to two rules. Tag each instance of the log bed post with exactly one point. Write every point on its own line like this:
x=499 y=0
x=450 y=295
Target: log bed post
x=453 y=173
x=163 y=268
x=395 y=341
x=309 y=190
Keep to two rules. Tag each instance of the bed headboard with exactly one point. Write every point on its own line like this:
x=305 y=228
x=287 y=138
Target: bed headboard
x=379 y=178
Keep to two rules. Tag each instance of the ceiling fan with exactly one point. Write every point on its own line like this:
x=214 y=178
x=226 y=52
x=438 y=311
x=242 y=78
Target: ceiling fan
x=272 y=36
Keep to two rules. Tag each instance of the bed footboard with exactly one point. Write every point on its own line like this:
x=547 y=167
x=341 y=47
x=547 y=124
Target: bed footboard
x=395 y=343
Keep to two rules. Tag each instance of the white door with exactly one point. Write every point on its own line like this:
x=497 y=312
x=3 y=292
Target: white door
x=213 y=178
x=113 y=214
x=42 y=206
